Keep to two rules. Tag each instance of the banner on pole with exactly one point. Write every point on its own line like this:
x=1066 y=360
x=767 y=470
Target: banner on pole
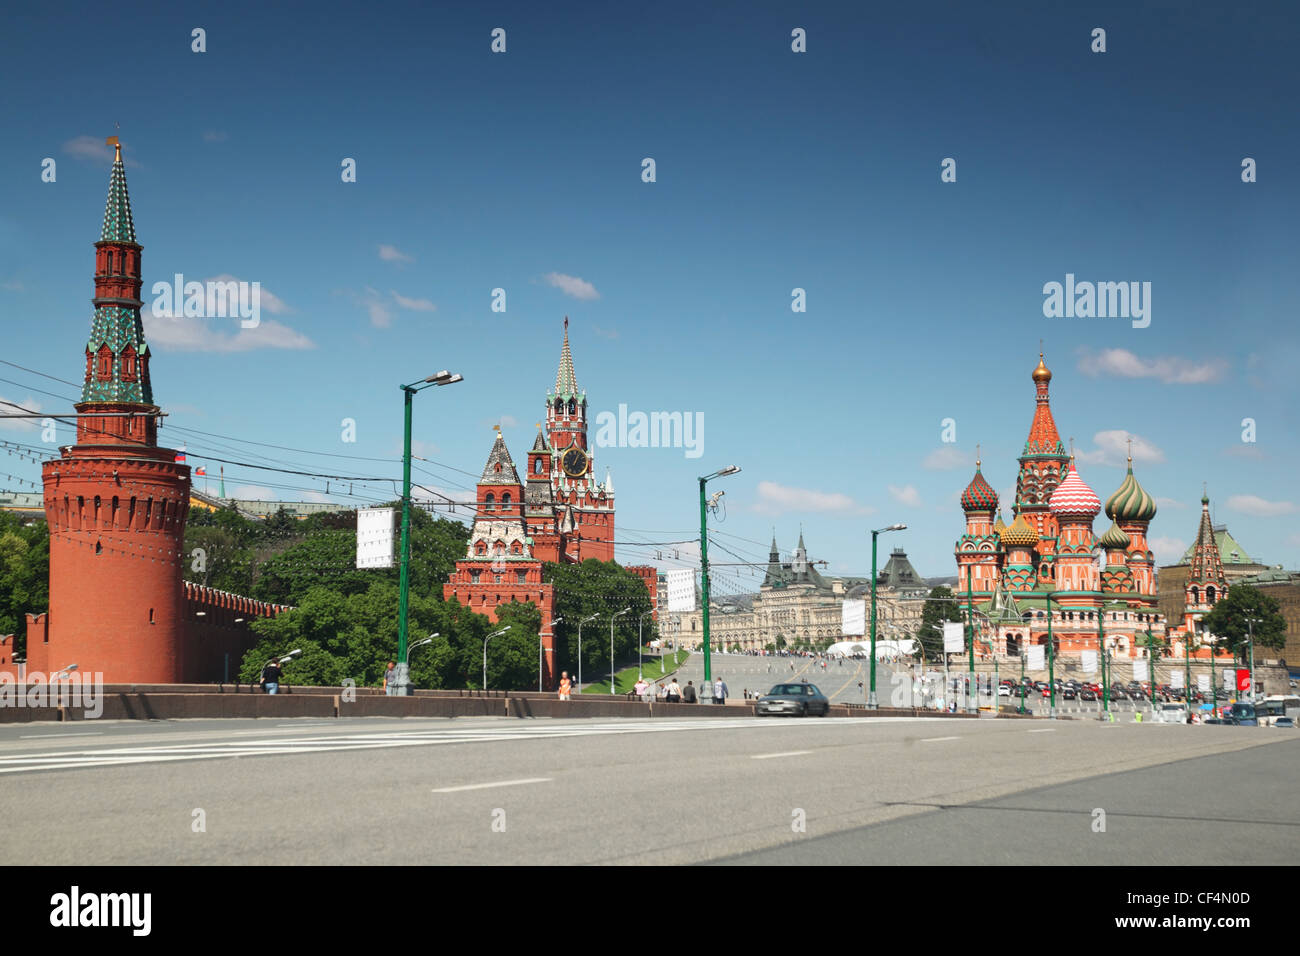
x=954 y=637
x=1229 y=679
x=1203 y=682
x=1177 y=680
x=1089 y=661
x=1037 y=657
x=1140 y=671
x=681 y=589
x=375 y=537
x=853 y=618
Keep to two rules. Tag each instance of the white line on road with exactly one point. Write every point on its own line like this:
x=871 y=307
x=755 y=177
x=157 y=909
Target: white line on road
x=788 y=753
x=88 y=733
x=930 y=740
x=485 y=786
x=1044 y=730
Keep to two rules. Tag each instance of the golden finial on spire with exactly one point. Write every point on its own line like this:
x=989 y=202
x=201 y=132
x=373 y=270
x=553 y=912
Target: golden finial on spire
x=1041 y=372
x=113 y=141
x=1130 y=451
x=1072 y=450
x=977 y=456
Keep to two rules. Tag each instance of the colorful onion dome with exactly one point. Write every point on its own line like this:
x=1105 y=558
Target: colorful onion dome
x=999 y=525
x=1042 y=373
x=1130 y=502
x=979 y=494
x=1115 y=538
x=1073 y=497
x=1020 y=534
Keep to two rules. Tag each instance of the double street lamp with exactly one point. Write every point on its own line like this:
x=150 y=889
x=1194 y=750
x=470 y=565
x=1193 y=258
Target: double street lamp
x=485 y=644
x=612 y=619
x=871 y=696
x=402 y=671
x=585 y=620
x=704 y=562
x=558 y=620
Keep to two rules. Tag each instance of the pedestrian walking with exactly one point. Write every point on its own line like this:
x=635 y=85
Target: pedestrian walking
x=388 y=676
x=688 y=693
x=566 y=685
x=674 y=692
x=719 y=691
x=271 y=677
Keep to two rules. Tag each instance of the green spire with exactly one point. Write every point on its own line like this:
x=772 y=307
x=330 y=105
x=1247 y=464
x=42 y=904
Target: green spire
x=118 y=225
x=566 y=381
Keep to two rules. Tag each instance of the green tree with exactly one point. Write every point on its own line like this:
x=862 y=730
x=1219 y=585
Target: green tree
x=602 y=588
x=1228 y=620
x=939 y=607
x=24 y=575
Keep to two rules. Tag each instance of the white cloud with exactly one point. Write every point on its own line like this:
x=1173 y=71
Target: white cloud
x=93 y=148
x=253 y=493
x=19 y=424
x=1167 y=550
x=776 y=499
x=393 y=254
x=1170 y=503
x=214 y=136
x=1112 y=449
x=1170 y=369
x=1260 y=507
x=13 y=285
x=906 y=495
x=196 y=335
x=572 y=285
x=604 y=333
x=946 y=458
x=267 y=299
x=415 y=305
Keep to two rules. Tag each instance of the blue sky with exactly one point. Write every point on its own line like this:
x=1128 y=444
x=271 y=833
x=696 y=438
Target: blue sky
x=775 y=171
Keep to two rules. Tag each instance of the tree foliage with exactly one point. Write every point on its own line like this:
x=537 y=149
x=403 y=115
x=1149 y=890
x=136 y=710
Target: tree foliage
x=939 y=607
x=24 y=575
x=1229 y=619
x=600 y=588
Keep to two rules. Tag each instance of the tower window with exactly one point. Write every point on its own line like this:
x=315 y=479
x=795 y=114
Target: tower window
x=108 y=269
x=505 y=501
x=573 y=407
x=490 y=501
x=99 y=547
x=105 y=364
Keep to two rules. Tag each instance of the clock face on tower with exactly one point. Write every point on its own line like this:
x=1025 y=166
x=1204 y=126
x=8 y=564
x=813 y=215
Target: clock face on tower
x=575 y=462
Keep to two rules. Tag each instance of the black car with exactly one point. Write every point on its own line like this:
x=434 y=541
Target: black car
x=1068 y=693
x=1087 y=694
x=796 y=700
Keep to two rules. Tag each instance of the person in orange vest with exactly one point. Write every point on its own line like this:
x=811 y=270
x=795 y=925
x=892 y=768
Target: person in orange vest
x=565 y=685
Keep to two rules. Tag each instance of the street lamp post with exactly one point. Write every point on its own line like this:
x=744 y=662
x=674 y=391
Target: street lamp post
x=872 y=703
x=485 y=644
x=402 y=669
x=612 y=619
x=1250 y=623
x=1051 y=657
x=558 y=620
x=585 y=620
x=640 y=643
x=972 y=700
x=704 y=564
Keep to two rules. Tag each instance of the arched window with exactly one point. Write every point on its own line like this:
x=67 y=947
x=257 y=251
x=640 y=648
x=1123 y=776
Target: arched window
x=537 y=466
x=128 y=364
x=108 y=269
x=1196 y=595
x=505 y=500
x=490 y=502
x=105 y=371
x=573 y=407
x=1209 y=595
x=480 y=547
x=516 y=548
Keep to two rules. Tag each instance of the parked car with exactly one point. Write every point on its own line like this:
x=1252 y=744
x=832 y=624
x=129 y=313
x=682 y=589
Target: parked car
x=1087 y=694
x=1068 y=693
x=1284 y=722
x=1004 y=690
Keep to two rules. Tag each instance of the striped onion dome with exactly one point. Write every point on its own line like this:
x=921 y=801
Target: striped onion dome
x=1020 y=534
x=1130 y=502
x=979 y=494
x=1073 y=497
x=1115 y=538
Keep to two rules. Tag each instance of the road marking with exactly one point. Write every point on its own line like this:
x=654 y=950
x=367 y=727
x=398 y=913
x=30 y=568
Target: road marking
x=1044 y=730
x=486 y=786
x=788 y=753
x=88 y=733
x=930 y=740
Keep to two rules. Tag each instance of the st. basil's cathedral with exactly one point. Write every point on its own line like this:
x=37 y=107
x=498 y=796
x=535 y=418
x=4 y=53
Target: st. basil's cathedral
x=1096 y=585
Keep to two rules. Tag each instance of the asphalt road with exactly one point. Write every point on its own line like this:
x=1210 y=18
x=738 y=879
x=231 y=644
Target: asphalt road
x=505 y=790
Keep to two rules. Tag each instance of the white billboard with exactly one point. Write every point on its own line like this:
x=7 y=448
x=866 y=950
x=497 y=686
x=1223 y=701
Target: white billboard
x=1139 y=669
x=1089 y=661
x=954 y=637
x=853 y=618
x=680 y=583
x=1176 y=679
x=1203 y=683
x=375 y=538
x=1037 y=657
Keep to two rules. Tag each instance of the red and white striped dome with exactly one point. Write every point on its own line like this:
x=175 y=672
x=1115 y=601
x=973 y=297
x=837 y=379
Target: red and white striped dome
x=1073 y=497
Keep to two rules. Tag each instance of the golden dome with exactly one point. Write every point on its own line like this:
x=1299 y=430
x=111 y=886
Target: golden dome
x=1042 y=373
x=1020 y=534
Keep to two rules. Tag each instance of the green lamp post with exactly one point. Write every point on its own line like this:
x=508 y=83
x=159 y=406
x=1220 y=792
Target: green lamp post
x=704 y=564
x=872 y=703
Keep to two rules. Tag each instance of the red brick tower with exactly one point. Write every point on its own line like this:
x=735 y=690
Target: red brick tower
x=115 y=502
x=1043 y=465
x=584 y=506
